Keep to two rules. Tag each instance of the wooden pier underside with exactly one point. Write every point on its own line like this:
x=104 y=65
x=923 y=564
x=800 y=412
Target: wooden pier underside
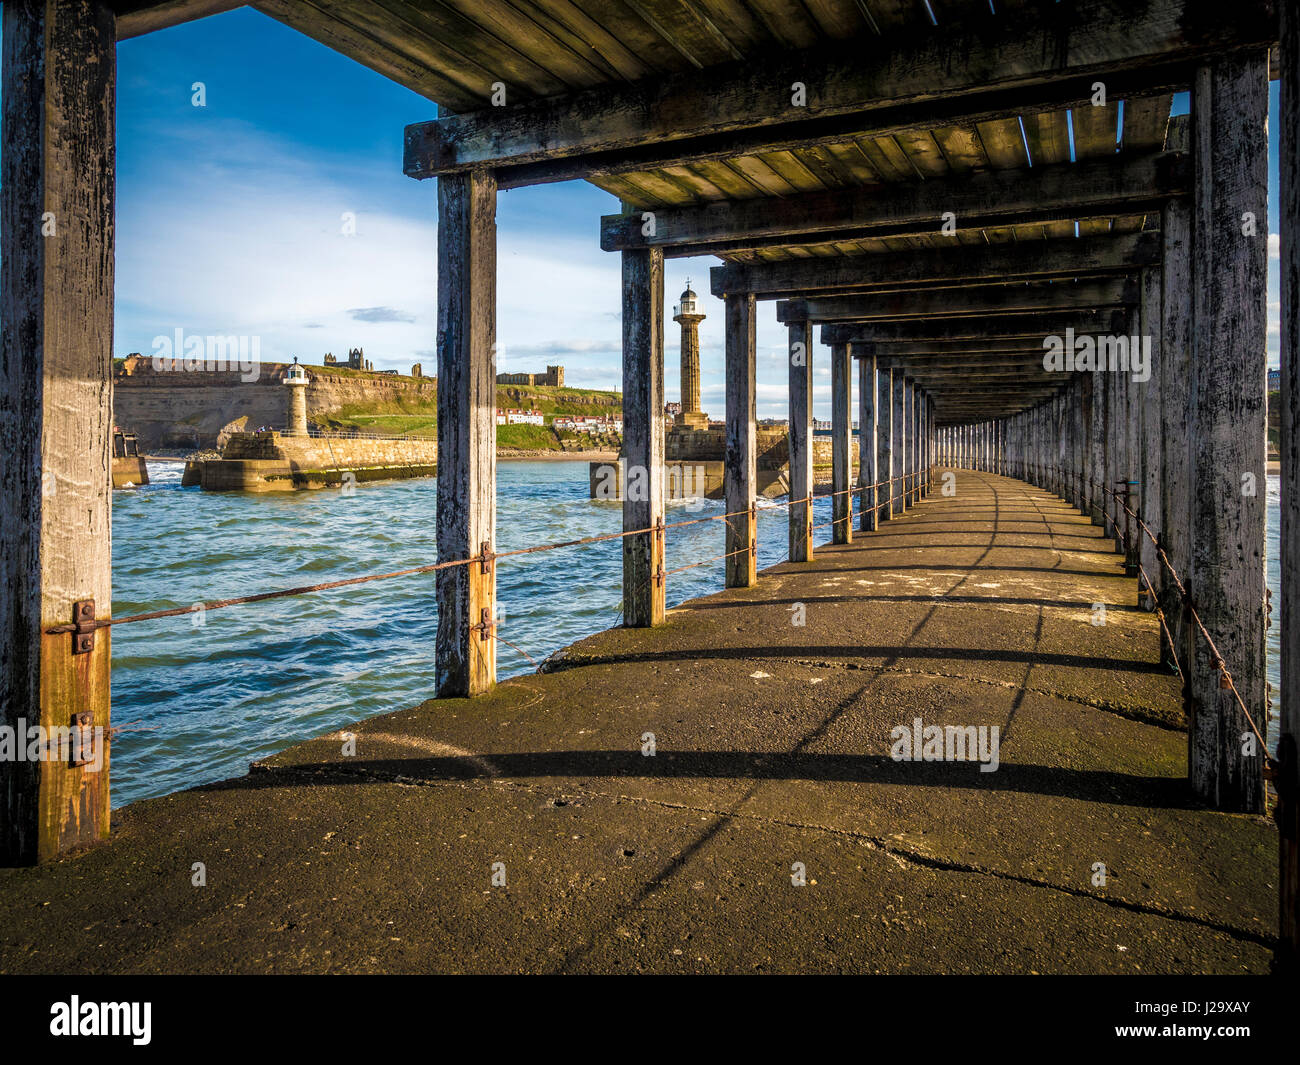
x=773 y=749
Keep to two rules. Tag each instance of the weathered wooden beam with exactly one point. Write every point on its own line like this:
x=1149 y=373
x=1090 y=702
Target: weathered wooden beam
x=137 y=17
x=1021 y=348
x=976 y=301
x=841 y=445
x=467 y=464
x=740 y=474
x=973 y=68
x=1033 y=326
x=801 y=457
x=57 y=188
x=643 y=438
x=1132 y=184
x=1287 y=779
x=941 y=267
x=868 y=426
x=1230 y=344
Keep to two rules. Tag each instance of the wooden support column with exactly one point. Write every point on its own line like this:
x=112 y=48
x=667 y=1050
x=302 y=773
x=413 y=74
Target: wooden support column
x=841 y=445
x=1097 y=450
x=918 y=432
x=885 y=442
x=1287 y=780
x=467 y=464
x=898 y=446
x=1134 y=454
x=801 y=435
x=1177 y=388
x=1230 y=151
x=56 y=303
x=1151 y=428
x=643 y=437
x=740 y=475
x=868 y=463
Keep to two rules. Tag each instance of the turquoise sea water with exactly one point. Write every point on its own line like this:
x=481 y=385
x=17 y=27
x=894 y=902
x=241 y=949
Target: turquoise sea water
x=199 y=703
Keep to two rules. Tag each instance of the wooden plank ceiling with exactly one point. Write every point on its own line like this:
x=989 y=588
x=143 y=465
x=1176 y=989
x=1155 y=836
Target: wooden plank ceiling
x=453 y=51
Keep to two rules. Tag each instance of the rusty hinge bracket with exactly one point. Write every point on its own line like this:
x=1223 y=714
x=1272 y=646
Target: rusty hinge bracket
x=83 y=618
x=486 y=624
x=487 y=557
x=81 y=746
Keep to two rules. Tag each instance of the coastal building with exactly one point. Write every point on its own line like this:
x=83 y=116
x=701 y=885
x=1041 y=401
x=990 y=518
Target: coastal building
x=519 y=417
x=356 y=360
x=589 y=423
x=552 y=378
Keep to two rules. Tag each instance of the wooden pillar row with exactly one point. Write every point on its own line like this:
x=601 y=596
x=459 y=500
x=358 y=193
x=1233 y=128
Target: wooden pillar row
x=56 y=304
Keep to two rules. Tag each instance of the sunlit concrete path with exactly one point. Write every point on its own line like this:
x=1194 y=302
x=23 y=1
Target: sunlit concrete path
x=771 y=758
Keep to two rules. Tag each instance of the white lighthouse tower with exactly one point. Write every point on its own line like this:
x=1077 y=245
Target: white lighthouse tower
x=295 y=380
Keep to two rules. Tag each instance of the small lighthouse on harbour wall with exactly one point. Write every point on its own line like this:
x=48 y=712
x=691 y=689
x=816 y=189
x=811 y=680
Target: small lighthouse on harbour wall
x=295 y=380
x=689 y=317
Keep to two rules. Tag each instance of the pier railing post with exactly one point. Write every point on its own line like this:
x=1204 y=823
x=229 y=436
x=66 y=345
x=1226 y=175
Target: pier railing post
x=867 y=454
x=56 y=303
x=801 y=457
x=643 y=436
x=1288 y=773
x=740 y=473
x=466 y=661
x=1230 y=150
x=841 y=445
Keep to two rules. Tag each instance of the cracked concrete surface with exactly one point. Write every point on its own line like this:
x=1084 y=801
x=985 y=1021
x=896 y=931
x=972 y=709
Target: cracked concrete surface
x=772 y=748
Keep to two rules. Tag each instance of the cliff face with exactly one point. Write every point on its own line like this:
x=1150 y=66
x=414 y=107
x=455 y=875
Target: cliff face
x=187 y=409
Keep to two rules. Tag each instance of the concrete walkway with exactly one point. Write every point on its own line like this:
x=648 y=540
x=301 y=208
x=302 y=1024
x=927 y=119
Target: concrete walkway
x=772 y=748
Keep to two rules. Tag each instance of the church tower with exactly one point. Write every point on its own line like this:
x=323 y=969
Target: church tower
x=688 y=316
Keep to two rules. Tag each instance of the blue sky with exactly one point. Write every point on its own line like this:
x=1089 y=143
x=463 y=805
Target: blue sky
x=230 y=221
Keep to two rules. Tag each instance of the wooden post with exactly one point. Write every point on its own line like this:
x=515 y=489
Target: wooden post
x=643 y=437
x=909 y=442
x=466 y=522
x=1097 y=450
x=1135 y=455
x=1151 y=428
x=801 y=458
x=899 y=443
x=1177 y=392
x=1230 y=149
x=918 y=449
x=1287 y=779
x=741 y=456
x=868 y=464
x=841 y=445
x=885 y=440
x=56 y=303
